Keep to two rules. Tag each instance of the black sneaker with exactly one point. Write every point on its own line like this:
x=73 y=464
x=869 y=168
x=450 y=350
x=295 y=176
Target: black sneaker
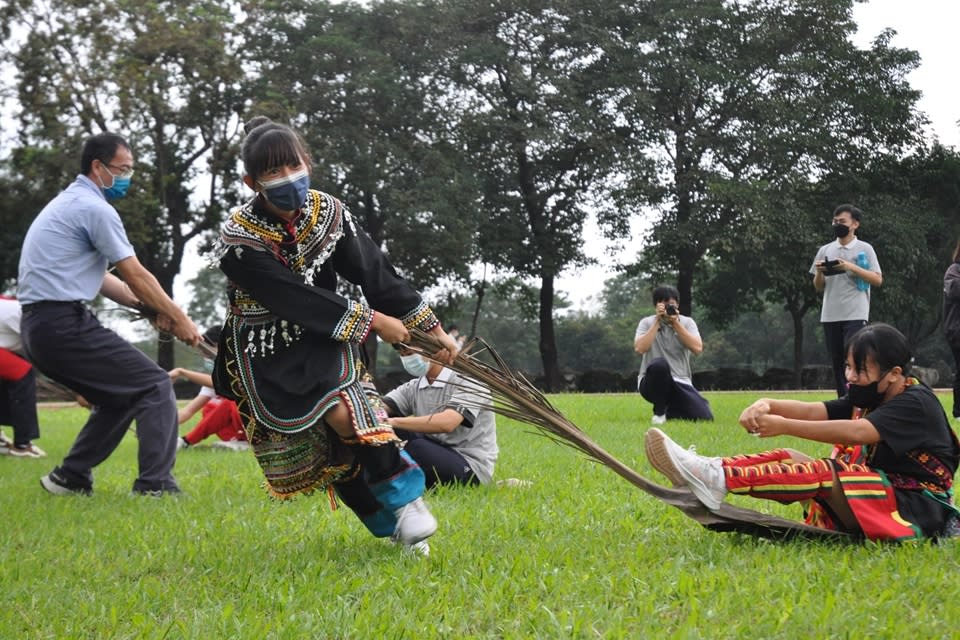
x=55 y=484
x=157 y=493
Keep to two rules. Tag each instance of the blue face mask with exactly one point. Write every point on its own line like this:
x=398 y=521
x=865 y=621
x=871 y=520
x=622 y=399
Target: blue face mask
x=289 y=192
x=415 y=364
x=117 y=189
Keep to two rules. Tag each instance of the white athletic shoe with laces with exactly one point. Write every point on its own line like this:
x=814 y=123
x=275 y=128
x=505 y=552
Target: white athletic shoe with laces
x=414 y=523
x=656 y=443
x=658 y=419
x=704 y=476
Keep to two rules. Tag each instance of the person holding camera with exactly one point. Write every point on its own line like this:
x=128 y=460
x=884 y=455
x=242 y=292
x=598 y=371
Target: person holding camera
x=844 y=270
x=666 y=340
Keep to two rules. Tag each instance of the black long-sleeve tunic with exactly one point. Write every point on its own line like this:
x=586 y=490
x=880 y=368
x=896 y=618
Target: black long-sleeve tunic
x=289 y=347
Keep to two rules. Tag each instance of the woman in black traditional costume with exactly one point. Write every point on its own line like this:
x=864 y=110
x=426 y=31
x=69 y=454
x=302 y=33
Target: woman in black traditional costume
x=891 y=478
x=289 y=352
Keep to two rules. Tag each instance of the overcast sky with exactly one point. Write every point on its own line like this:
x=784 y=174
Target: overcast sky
x=929 y=27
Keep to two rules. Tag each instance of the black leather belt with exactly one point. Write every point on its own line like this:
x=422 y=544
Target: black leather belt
x=30 y=307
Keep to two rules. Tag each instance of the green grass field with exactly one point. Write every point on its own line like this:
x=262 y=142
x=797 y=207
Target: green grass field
x=579 y=554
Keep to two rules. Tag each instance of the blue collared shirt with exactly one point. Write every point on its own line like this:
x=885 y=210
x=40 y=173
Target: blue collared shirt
x=69 y=245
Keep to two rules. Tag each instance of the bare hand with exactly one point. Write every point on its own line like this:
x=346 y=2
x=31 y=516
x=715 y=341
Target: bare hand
x=750 y=416
x=186 y=331
x=163 y=322
x=769 y=425
x=449 y=350
x=390 y=329
x=175 y=374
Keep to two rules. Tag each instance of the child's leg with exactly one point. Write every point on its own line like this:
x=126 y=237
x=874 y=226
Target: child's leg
x=215 y=417
x=764 y=457
x=780 y=481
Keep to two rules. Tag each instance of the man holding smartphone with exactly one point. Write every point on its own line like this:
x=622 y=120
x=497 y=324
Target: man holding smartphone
x=844 y=270
x=666 y=340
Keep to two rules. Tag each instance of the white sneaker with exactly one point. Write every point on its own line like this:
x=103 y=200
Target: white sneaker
x=182 y=444
x=704 y=476
x=232 y=445
x=656 y=443
x=514 y=482
x=421 y=549
x=414 y=523
x=657 y=419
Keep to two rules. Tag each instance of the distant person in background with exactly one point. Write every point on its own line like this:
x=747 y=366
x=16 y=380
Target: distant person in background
x=219 y=415
x=18 y=388
x=951 y=321
x=844 y=270
x=445 y=421
x=666 y=341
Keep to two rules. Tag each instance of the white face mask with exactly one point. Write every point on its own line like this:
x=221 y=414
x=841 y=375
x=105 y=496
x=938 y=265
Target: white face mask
x=415 y=364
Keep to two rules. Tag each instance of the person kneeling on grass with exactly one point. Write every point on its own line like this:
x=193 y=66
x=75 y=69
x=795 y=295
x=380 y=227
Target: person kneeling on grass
x=220 y=416
x=445 y=422
x=891 y=479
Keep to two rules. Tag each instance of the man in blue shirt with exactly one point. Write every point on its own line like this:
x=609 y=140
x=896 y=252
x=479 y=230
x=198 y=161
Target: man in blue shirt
x=63 y=265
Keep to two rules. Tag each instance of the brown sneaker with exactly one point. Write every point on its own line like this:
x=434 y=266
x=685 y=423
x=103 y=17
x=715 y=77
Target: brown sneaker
x=29 y=451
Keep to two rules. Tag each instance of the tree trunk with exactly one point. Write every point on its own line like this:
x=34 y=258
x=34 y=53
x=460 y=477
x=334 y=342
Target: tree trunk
x=371 y=346
x=165 y=341
x=797 y=348
x=165 y=357
x=548 y=340
x=480 y=289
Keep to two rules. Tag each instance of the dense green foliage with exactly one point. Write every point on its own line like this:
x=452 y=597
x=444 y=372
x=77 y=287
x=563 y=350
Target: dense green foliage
x=579 y=554
x=473 y=139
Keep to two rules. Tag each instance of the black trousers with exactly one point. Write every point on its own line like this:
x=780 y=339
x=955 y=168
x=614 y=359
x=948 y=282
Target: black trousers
x=673 y=399
x=67 y=343
x=835 y=335
x=956 y=380
x=18 y=407
x=441 y=464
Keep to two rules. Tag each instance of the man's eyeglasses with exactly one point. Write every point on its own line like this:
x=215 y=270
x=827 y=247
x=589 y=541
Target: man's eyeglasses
x=125 y=172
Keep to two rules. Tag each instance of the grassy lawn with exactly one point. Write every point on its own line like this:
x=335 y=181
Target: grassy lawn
x=579 y=554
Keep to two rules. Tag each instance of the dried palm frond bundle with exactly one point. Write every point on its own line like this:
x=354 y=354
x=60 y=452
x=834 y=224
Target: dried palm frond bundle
x=516 y=398
x=53 y=391
x=206 y=348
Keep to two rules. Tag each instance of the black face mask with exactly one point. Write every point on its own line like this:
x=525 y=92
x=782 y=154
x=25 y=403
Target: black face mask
x=841 y=230
x=866 y=396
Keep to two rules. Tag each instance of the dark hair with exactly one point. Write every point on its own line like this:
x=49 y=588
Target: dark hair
x=956 y=252
x=665 y=292
x=855 y=213
x=269 y=145
x=102 y=147
x=212 y=334
x=886 y=345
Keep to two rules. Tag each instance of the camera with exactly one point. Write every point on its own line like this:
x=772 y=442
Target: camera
x=671 y=309
x=830 y=268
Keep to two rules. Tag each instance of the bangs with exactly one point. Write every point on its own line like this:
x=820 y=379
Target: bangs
x=881 y=342
x=276 y=148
